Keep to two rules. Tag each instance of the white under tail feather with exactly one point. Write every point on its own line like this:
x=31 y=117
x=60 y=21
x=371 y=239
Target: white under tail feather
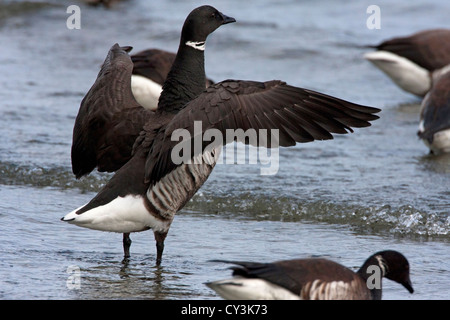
x=72 y=215
x=145 y=91
x=250 y=289
x=123 y=215
x=167 y=196
x=406 y=74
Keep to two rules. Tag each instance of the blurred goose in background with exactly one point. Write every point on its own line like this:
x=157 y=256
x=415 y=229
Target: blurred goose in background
x=113 y=133
x=411 y=61
x=106 y=3
x=434 y=127
x=150 y=70
x=313 y=279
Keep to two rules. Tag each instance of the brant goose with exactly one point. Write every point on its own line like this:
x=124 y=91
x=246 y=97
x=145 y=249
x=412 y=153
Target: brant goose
x=313 y=279
x=410 y=61
x=106 y=3
x=113 y=133
x=150 y=70
x=434 y=127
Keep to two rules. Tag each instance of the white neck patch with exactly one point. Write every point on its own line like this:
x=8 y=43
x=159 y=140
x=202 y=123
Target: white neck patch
x=197 y=45
x=382 y=264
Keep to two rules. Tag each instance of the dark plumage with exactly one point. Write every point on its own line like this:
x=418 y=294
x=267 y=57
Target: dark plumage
x=313 y=279
x=300 y=115
x=434 y=127
x=150 y=69
x=411 y=61
x=430 y=49
x=154 y=64
x=109 y=118
x=148 y=187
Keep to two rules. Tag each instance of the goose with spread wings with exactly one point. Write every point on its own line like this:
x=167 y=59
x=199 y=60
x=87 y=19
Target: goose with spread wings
x=113 y=133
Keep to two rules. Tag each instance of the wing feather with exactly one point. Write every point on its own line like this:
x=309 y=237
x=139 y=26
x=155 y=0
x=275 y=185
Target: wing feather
x=109 y=118
x=300 y=115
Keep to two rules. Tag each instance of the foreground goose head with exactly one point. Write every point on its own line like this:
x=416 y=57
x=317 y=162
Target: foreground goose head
x=152 y=66
x=313 y=279
x=200 y=23
x=149 y=186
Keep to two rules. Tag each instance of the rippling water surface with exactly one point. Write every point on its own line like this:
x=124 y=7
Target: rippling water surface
x=343 y=199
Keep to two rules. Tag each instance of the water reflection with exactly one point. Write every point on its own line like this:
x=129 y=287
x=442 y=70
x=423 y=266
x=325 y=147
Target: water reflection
x=134 y=278
x=436 y=163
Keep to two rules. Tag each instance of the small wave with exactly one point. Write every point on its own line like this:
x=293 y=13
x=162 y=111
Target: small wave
x=399 y=221
x=57 y=177
x=402 y=220
x=10 y=9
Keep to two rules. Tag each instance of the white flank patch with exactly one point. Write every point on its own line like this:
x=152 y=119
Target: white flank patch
x=123 y=215
x=335 y=290
x=382 y=264
x=200 y=45
x=145 y=91
x=406 y=74
x=172 y=191
x=239 y=288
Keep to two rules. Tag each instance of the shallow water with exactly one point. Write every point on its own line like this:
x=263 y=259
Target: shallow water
x=343 y=199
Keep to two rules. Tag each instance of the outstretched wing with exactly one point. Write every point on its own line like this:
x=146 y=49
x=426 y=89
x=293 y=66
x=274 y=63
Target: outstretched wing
x=109 y=118
x=298 y=115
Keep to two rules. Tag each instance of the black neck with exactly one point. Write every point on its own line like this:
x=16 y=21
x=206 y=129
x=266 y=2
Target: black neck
x=372 y=276
x=186 y=79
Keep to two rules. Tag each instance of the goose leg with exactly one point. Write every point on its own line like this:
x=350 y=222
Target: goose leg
x=159 y=237
x=126 y=245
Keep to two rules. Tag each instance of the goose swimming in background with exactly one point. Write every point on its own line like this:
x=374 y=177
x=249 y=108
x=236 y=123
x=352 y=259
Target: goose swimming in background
x=313 y=279
x=114 y=133
x=411 y=61
x=434 y=127
x=150 y=70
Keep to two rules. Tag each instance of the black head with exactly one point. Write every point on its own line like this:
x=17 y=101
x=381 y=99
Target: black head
x=201 y=22
x=396 y=267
